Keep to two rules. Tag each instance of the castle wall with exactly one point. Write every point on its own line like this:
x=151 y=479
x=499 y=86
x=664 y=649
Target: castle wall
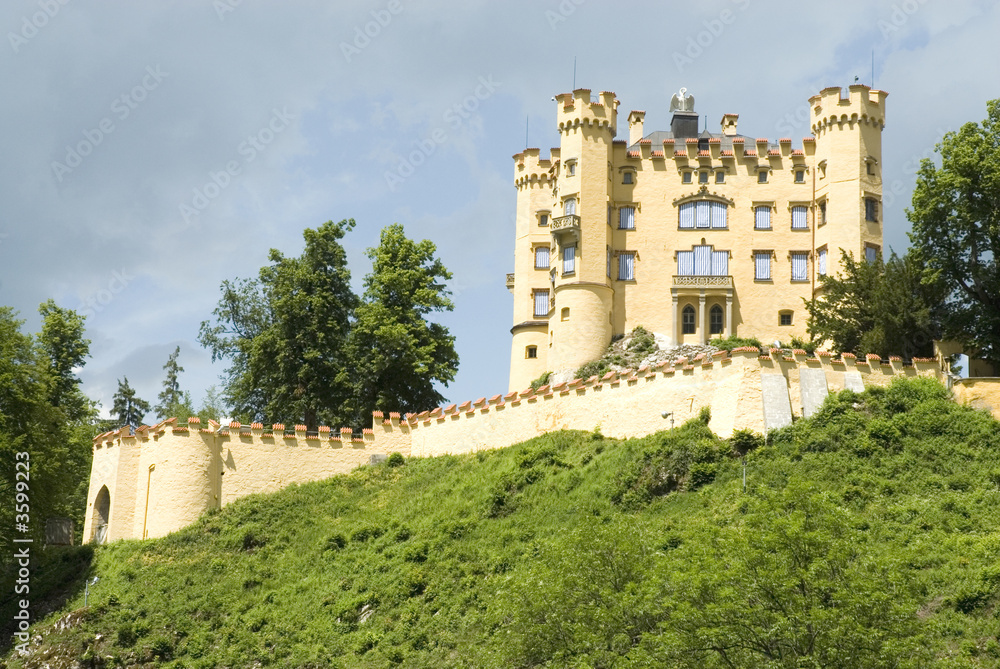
x=979 y=393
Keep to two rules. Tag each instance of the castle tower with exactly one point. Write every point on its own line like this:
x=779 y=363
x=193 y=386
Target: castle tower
x=848 y=172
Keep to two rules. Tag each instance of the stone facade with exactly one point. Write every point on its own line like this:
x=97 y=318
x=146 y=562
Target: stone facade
x=691 y=234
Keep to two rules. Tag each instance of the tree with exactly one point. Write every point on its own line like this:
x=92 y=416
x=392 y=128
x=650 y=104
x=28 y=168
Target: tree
x=888 y=308
x=285 y=334
x=173 y=403
x=131 y=410
x=956 y=230
x=397 y=354
x=212 y=407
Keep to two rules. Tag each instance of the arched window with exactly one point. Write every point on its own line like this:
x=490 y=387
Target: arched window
x=102 y=512
x=687 y=320
x=715 y=319
x=569 y=207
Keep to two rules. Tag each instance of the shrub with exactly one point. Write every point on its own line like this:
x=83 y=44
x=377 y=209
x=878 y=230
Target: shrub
x=729 y=343
x=541 y=381
x=592 y=368
x=744 y=441
x=395 y=460
x=807 y=346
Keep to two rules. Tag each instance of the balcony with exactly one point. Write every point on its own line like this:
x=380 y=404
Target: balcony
x=565 y=225
x=510 y=281
x=703 y=282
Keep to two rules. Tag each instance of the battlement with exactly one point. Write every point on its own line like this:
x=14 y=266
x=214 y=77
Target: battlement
x=863 y=104
x=530 y=167
x=577 y=108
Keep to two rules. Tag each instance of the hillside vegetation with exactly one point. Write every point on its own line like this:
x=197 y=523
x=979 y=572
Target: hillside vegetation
x=867 y=536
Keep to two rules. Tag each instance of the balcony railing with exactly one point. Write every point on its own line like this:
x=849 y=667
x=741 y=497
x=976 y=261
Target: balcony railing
x=510 y=280
x=569 y=223
x=689 y=281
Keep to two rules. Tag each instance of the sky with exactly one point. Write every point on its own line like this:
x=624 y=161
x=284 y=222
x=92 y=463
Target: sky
x=151 y=151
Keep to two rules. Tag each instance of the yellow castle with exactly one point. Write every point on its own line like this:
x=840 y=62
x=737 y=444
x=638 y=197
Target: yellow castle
x=690 y=233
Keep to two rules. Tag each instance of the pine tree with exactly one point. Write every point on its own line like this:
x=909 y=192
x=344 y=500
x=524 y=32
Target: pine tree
x=171 y=401
x=129 y=409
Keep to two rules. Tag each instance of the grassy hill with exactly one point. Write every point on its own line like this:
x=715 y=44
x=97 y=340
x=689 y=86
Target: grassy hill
x=867 y=536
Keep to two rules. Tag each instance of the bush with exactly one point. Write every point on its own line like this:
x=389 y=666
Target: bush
x=729 y=343
x=541 y=381
x=807 y=346
x=744 y=441
x=395 y=460
x=593 y=368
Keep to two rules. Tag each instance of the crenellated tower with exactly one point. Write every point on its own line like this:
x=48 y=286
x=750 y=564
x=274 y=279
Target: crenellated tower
x=848 y=171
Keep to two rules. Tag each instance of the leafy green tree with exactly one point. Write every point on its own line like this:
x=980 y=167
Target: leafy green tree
x=285 y=334
x=130 y=409
x=212 y=407
x=888 y=308
x=397 y=354
x=956 y=230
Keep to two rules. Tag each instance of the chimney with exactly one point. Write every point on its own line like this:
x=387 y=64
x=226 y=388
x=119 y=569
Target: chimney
x=729 y=124
x=684 y=124
x=635 y=122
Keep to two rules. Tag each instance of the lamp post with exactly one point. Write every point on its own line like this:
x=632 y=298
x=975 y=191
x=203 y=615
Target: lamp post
x=86 y=589
x=670 y=415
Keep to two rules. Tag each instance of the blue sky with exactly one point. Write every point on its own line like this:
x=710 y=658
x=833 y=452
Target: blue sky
x=273 y=117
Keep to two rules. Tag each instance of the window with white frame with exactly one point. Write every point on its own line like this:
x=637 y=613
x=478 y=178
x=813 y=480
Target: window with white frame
x=821 y=262
x=800 y=220
x=569 y=206
x=762 y=217
x=626 y=218
x=541 y=257
x=569 y=259
x=762 y=265
x=626 y=266
x=541 y=300
x=800 y=266
x=703 y=260
x=703 y=214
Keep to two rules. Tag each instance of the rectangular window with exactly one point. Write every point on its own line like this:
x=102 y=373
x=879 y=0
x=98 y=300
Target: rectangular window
x=703 y=260
x=762 y=218
x=719 y=211
x=626 y=218
x=569 y=207
x=800 y=176
x=785 y=318
x=687 y=215
x=762 y=265
x=686 y=177
x=609 y=262
x=720 y=177
x=626 y=266
x=800 y=220
x=703 y=177
x=543 y=219
x=626 y=177
x=541 y=257
x=822 y=213
x=871 y=209
x=569 y=259
x=821 y=264
x=703 y=214
x=871 y=253
x=541 y=302
x=685 y=263
x=762 y=177
x=571 y=168
x=800 y=264
x=720 y=263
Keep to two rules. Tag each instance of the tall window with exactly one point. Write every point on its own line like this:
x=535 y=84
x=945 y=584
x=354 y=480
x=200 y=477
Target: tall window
x=800 y=264
x=569 y=259
x=609 y=262
x=821 y=262
x=762 y=177
x=799 y=219
x=871 y=209
x=541 y=298
x=541 y=257
x=703 y=214
x=571 y=168
x=871 y=253
x=800 y=176
x=822 y=213
x=626 y=266
x=703 y=177
x=715 y=320
x=626 y=218
x=703 y=261
x=687 y=320
x=543 y=219
x=569 y=207
x=627 y=177
x=762 y=265
x=762 y=218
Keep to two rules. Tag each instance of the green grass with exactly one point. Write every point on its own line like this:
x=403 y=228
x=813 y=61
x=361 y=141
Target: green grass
x=868 y=536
